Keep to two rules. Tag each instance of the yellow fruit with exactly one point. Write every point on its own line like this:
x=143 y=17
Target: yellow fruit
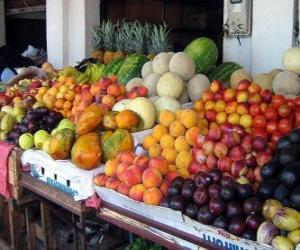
x=63 y=89
x=148 y=142
x=154 y=150
x=204 y=131
x=220 y=106
x=172 y=168
x=167 y=141
x=178 y=113
x=234 y=118
x=170 y=155
x=189 y=118
x=52 y=91
x=59 y=103
x=184 y=173
x=166 y=117
x=43 y=90
x=181 y=144
x=192 y=134
x=184 y=159
x=213 y=125
x=209 y=105
x=176 y=129
x=70 y=95
x=39 y=97
x=159 y=131
x=246 y=121
x=221 y=117
x=62 y=78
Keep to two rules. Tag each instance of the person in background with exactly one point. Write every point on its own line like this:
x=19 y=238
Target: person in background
x=10 y=59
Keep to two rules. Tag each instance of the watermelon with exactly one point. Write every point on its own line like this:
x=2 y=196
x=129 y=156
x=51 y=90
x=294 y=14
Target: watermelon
x=131 y=67
x=204 y=52
x=113 y=66
x=224 y=71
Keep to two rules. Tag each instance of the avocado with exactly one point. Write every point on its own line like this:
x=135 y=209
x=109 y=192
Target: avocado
x=295 y=197
x=294 y=136
x=283 y=142
x=290 y=176
x=266 y=188
x=290 y=154
x=281 y=192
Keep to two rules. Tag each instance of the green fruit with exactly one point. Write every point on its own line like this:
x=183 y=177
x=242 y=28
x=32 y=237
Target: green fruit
x=131 y=67
x=113 y=66
x=46 y=144
x=26 y=141
x=7 y=122
x=7 y=109
x=40 y=137
x=54 y=131
x=17 y=111
x=223 y=71
x=204 y=52
x=3 y=136
x=38 y=104
x=66 y=123
x=19 y=118
x=2 y=114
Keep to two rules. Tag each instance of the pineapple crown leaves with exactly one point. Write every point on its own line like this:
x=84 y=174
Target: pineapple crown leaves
x=109 y=35
x=159 y=39
x=139 y=37
x=97 y=40
x=128 y=36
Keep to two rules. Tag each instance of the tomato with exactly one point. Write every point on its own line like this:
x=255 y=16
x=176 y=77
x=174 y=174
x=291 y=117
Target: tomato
x=260 y=132
x=284 y=110
x=254 y=109
x=271 y=114
x=259 y=121
x=275 y=137
x=285 y=126
x=277 y=100
x=291 y=103
x=297 y=101
x=271 y=127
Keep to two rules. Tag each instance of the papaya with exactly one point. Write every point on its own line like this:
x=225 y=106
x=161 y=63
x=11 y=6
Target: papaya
x=127 y=119
x=60 y=144
x=109 y=121
x=86 y=152
x=113 y=143
x=89 y=120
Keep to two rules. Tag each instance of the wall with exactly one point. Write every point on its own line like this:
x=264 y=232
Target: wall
x=272 y=34
x=2 y=24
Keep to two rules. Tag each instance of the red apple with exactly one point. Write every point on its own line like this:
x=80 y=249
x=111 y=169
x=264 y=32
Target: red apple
x=214 y=134
x=216 y=86
x=207 y=96
x=199 y=155
x=105 y=82
x=266 y=96
x=239 y=168
x=200 y=140
x=211 y=161
x=229 y=95
x=225 y=127
x=246 y=143
x=210 y=115
x=231 y=139
x=194 y=167
x=254 y=98
x=259 y=143
x=224 y=164
x=254 y=88
x=237 y=153
x=243 y=84
x=218 y=96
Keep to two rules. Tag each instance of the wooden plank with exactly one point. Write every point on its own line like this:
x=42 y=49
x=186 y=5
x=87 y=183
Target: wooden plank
x=30 y=227
x=15 y=225
x=46 y=226
x=4 y=245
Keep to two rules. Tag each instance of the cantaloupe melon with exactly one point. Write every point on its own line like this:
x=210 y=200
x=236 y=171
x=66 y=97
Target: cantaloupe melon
x=150 y=82
x=286 y=83
x=184 y=97
x=170 y=84
x=291 y=60
x=196 y=86
x=238 y=76
x=147 y=69
x=264 y=80
x=183 y=65
x=160 y=63
x=275 y=72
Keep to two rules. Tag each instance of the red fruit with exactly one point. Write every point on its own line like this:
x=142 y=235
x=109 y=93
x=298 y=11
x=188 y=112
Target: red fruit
x=285 y=126
x=214 y=134
x=239 y=129
x=211 y=162
x=243 y=85
x=199 y=155
x=284 y=110
x=208 y=147
x=257 y=174
x=272 y=127
x=277 y=100
x=218 y=96
x=220 y=150
x=210 y=115
x=250 y=175
x=132 y=94
x=254 y=109
x=259 y=121
x=297 y=101
x=237 y=154
x=225 y=127
x=142 y=91
x=231 y=139
x=254 y=88
x=200 y=140
x=291 y=103
x=207 y=96
x=246 y=143
x=216 y=86
x=266 y=96
x=194 y=168
x=271 y=114
x=224 y=164
x=259 y=143
x=275 y=137
x=239 y=168
x=254 y=98
x=105 y=82
x=262 y=158
x=260 y=132
x=263 y=106
x=250 y=161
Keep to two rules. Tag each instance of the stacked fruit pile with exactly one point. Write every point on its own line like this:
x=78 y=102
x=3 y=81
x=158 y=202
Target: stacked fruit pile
x=215 y=199
x=173 y=138
x=137 y=177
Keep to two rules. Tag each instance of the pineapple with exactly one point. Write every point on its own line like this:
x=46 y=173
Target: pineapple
x=159 y=40
x=120 y=42
x=109 y=39
x=139 y=37
x=97 y=43
x=128 y=37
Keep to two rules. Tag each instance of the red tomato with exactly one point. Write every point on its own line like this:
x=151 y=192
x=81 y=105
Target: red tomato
x=285 y=126
x=297 y=101
x=275 y=137
x=254 y=109
x=277 y=100
x=284 y=110
x=260 y=132
x=271 y=114
x=291 y=103
x=259 y=121
x=271 y=126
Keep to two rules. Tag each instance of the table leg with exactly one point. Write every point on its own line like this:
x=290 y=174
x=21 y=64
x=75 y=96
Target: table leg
x=46 y=226
x=14 y=225
x=79 y=233
x=31 y=229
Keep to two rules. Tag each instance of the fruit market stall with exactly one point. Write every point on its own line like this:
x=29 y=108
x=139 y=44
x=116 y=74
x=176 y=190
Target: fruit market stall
x=178 y=149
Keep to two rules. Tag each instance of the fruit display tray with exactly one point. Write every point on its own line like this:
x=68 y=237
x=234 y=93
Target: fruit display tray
x=62 y=175
x=173 y=221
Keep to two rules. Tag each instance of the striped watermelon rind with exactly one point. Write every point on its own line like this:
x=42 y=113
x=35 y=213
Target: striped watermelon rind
x=113 y=66
x=131 y=67
x=223 y=71
x=204 y=52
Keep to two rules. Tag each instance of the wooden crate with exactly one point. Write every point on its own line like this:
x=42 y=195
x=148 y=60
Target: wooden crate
x=14 y=172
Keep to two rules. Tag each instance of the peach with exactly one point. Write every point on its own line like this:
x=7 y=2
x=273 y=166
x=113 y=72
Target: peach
x=159 y=131
x=126 y=157
x=221 y=117
x=121 y=169
x=254 y=98
x=216 y=86
x=184 y=159
x=210 y=115
x=218 y=96
x=242 y=108
x=178 y=113
x=159 y=163
x=233 y=118
x=111 y=167
x=141 y=160
x=242 y=96
x=151 y=178
x=148 y=142
x=220 y=106
x=132 y=94
x=114 y=90
x=172 y=167
x=153 y=196
x=209 y=105
x=191 y=135
x=167 y=141
x=132 y=175
x=112 y=183
x=231 y=107
x=208 y=147
x=123 y=189
x=214 y=134
x=154 y=150
x=108 y=100
x=198 y=105
x=220 y=150
x=181 y=144
x=189 y=118
x=176 y=129
x=100 y=179
x=169 y=154
x=96 y=88
x=254 y=88
x=229 y=95
x=164 y=187
x=243 y=84
x=166 y=117
x=170 y=176
x=70 y=95
x=137 y=192
x=207 y=96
